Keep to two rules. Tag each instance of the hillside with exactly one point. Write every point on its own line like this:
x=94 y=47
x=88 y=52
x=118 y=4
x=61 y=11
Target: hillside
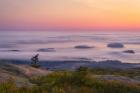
x=26 y=79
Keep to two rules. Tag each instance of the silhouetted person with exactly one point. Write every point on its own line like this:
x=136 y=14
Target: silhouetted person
x=35 y=60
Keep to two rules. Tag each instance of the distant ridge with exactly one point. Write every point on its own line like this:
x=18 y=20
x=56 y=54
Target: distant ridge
x=74 y=64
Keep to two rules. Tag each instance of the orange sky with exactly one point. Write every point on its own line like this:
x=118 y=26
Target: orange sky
x=70 y=14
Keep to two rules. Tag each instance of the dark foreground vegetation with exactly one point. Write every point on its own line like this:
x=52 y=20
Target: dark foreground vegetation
x=80 y=81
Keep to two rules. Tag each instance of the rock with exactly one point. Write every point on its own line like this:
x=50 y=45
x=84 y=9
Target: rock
x=83 y=47
x=129 y=51
x=115 y=45
x=46 y=50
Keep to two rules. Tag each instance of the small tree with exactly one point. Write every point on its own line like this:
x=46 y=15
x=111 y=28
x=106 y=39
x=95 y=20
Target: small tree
x=35 y=61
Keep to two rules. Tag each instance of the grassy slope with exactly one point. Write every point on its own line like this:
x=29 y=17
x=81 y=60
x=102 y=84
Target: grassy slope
x=25 y=79
x=70 y=82
x=20 y=73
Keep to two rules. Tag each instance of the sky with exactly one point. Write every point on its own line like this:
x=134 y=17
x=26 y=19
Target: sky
x=70 y=14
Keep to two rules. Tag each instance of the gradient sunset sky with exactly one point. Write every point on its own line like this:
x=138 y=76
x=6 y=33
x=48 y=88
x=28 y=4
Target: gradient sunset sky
x=70 y=14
